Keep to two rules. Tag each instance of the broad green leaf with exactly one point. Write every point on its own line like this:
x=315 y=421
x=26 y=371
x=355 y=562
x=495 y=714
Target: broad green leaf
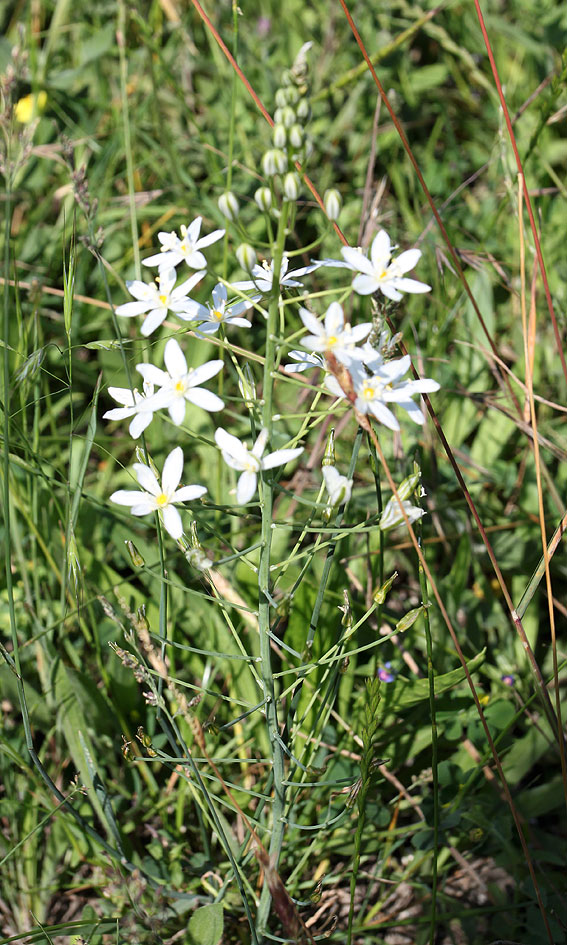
x=206 y=925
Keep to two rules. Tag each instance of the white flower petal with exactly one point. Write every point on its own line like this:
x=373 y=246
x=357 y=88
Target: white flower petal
x=365 y=284
x=147 y=479
x=177 y=409
x=131 y=309
x=380 y=251
x=153 y=320
x=126 y=497
x=412 y=285
x=172 y=470
x=205 y=399
x=174 y=359
x=172 y=521
x=407 y=260
x=334 y=319
x=189 y=493
x=205 y=371
x=123 y=395
x=139 y=424
x=231 y=445
x=246 y=487
x=280 y=457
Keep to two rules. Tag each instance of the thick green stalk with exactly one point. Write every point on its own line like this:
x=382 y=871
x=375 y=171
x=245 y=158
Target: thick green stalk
x=278 y=825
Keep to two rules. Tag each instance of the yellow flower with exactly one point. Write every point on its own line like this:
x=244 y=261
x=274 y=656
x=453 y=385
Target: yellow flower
x=30 y=107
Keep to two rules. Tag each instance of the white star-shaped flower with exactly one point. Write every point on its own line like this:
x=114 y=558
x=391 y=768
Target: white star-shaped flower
x=175 y=249
x=134 y=404
x=211 y=316
x=160 y=498
x=179 y=384
x=381 y=272
x=376 y=390
x=250 y=462
x=263 y=277
x=334 y=335
x=158 y=298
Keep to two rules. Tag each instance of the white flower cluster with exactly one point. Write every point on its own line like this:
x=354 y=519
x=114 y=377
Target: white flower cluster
x=375 y=381
x=173 y=387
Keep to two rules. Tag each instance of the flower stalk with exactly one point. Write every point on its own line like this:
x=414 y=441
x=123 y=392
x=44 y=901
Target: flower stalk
x=264 y=577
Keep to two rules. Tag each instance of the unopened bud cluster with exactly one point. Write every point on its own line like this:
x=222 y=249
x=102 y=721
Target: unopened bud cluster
x=290 y=142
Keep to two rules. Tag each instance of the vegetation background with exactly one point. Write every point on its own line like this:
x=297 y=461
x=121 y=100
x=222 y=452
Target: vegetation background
x=121 y=129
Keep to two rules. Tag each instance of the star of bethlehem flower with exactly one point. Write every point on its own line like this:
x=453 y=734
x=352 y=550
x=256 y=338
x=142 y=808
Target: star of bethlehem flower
x=250 y=462
x=158 y=298
x=263 y=277
x=338 y=487
x=382 y=273
x=385 y=386
x=179 y=384
x=211 y=316
x=334 y=335
x=135 y=405
x=175 y=249
x=160 y=498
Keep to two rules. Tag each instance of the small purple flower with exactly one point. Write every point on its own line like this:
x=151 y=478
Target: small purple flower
x=508 y=679
x=385 y=674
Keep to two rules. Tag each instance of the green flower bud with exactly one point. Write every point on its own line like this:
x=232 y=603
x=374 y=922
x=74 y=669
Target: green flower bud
x=291 y=185
x=274 y=162
x=333 y=203
x=246 y=256
x=329 y=456
x=135 y=556
x=279 y=136
x=303 y=110
x=288 y=116
x=296 y=136
x=263 y=198
x=281 y=98
x=228 y=205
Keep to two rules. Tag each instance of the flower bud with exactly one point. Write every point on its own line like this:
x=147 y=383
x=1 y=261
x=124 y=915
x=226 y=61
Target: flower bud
x=303 y=110
x=291 y=185
x=228 y=205
x=333 y=203
x=279 y=136
x=274 y=162
x=329 y=457
x=296 y=136
x=135 y=556
x=278 y=116
x=263 y=198
x=281 y=98
x=247 y=387
x=288 y=116
x=246 y=256
x=291 y=95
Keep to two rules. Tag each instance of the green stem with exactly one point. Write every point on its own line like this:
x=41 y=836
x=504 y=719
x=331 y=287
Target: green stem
x=278 y=825
x=431 y=679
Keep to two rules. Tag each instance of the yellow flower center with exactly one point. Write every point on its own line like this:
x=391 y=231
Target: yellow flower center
x=162 y=500
x=217 y=314
x=368 y=392
x=332 y=340
x=383 y=274
x=179 y=387
x=163 y=299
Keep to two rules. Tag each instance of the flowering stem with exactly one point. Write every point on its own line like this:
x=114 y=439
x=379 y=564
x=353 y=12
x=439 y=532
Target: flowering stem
x=435 y=773
x=264 y=578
